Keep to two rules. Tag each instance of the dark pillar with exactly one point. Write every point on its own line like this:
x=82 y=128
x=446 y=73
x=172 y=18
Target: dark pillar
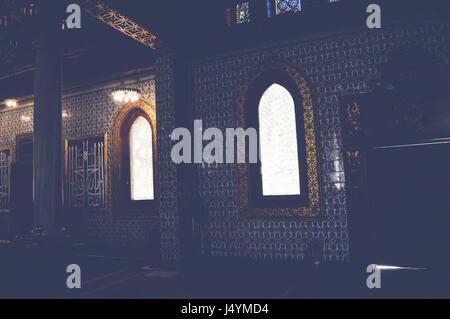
x=47 y=165
x=188 y=201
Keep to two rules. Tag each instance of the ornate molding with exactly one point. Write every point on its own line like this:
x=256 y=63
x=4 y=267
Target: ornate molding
x=116 y=146
x=122 y=24
x=101 y=197
x=313 y=210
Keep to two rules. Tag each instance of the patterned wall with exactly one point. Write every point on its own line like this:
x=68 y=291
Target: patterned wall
x=170 y=243
x=346 y=64
x=334 y=67
x=12 y=123
x=88 y=114
x=92 y=114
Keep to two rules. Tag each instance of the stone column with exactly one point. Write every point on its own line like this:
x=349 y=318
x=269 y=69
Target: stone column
x=47 y=162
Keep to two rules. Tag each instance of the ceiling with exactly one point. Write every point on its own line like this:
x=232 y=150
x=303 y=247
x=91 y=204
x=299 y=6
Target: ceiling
x=97 y=50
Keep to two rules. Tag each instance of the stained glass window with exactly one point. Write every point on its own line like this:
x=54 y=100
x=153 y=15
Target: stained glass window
x=141 y=160
x=268 y=8
x=243 y=12
x=284 y=6
x=278 y=143
x=228 y=17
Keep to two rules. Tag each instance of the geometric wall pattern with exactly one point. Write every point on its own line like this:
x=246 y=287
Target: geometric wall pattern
x=170 y=242
x=88 y=114
x=93 y=114
x=346 y=64
x=333 y=67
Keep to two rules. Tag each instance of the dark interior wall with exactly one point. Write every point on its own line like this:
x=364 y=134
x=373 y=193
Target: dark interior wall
x=340 y=65
x=409 y=191
x=12 y=123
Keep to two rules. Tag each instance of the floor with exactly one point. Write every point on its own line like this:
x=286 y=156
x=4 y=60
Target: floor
x=41 y=273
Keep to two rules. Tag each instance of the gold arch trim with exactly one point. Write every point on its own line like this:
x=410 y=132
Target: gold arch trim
x=313 y=210
x=124 y=113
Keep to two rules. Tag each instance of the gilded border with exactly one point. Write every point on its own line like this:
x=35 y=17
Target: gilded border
x=149 y=109
x=313 y=210
x=122 y=24
x=66 y=171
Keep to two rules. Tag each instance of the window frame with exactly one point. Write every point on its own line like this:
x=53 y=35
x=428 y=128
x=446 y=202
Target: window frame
x=125 y=159
x=67 y=200
x=251 y=107
x=122 y=205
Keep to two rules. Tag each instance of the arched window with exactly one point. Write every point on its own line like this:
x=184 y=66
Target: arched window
x=134 y=158
x=278 y=143
x=274 y=106
x=141 y=160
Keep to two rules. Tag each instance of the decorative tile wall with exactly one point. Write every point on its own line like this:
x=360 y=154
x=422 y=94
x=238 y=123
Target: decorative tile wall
x=12 y=123
x=170 y=242
x=345 y=64
x=334 y=67
x=89 y=114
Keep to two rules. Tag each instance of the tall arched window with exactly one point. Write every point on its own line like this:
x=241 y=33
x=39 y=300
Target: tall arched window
x=133 y=166
x=278 y=143
x=274 y=106
x=141 y=160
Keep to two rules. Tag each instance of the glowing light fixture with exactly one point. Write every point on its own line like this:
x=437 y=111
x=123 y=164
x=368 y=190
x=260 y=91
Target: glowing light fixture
x=11 y=103
x=126 y=95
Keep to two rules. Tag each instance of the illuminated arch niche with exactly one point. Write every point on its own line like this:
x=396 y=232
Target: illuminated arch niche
x=134 y=161
x=251 y=101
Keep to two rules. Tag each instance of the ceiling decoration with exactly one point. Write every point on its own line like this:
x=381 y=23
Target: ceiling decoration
x=121 y=23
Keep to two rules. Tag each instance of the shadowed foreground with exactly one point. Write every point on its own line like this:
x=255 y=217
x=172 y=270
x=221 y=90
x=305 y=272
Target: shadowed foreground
x=39 y=272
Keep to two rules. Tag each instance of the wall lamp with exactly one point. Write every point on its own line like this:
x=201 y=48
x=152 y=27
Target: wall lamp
x=126 y=95
x=11 y=103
